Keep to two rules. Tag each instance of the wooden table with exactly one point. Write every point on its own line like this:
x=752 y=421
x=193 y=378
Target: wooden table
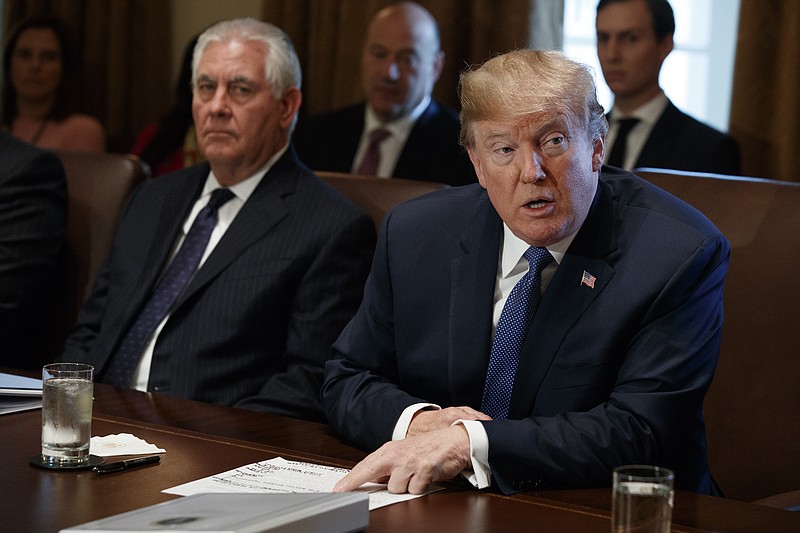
x=203 y=439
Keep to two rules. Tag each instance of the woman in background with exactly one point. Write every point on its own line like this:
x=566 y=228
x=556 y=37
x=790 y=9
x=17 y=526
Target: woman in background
x=37 y=65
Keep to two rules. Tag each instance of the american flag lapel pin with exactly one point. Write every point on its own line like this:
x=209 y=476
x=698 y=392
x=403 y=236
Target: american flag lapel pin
x=588 y=280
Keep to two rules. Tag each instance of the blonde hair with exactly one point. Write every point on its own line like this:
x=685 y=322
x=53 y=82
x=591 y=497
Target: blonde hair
x=526 y=82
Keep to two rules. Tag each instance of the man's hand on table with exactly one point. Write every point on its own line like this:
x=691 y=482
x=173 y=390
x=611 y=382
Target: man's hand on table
x=412 y=464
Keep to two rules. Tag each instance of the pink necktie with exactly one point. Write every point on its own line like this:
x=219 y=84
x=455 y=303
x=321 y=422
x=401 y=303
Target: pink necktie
x=372 y=158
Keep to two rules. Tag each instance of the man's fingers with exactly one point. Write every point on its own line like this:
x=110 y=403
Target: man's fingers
x=398 y=483
x=363 y=472
x=343 y=485
x=353 y=480
x=348 y=483
x=418 y=484
x=411 y=465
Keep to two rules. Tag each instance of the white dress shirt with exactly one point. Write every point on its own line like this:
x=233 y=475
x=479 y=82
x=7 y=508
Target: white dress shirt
x=648 y=115
x=392 y=146
x=225 y=215
x=512 y=267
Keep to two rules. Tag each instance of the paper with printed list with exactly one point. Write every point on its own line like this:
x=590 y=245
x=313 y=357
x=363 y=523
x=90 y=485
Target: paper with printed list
x=281 y=476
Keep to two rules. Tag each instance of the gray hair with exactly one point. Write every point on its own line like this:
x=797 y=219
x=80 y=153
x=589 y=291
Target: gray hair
x=282 y=67
x=525 y=82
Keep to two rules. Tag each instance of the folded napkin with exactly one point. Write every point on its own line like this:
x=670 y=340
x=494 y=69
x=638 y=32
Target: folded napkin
x=121 y=444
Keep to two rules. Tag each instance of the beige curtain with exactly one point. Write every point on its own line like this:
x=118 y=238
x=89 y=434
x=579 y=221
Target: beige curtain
x=122 y=50
x=124 y=46
x=328 y=36
x=765 y=109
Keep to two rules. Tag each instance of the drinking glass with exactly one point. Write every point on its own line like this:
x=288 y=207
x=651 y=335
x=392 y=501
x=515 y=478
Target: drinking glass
x=642 y=499
x=67 y=390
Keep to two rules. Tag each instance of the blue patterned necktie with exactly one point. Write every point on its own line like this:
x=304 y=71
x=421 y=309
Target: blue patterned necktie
x=120 y=367
x=512 y=328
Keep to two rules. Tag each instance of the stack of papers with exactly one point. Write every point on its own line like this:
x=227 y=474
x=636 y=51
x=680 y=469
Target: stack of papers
x=19 y=393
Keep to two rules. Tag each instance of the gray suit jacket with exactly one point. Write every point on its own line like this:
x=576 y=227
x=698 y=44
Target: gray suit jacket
x=255 y=324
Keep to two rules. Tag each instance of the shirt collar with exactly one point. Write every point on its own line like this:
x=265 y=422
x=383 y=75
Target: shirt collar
x=244 y=188
x=648 y=113
x=514 y=248
x=400 y=127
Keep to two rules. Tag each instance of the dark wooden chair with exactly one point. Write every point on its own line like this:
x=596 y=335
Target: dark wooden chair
x=377 y=196
x=753 y=407
x=97 y=187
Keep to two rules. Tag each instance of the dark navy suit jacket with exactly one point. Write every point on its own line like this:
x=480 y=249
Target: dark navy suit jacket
x=680 y=142
x=33 y=220
x=431 y=153
x=255 y=324
x=609 y=375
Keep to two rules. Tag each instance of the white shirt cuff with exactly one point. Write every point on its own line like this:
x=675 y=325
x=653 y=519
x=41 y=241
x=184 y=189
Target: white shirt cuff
x=480 y=475
x=401 y=427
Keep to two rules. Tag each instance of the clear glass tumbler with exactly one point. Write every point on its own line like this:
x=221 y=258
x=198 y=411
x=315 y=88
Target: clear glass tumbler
x=67 y=395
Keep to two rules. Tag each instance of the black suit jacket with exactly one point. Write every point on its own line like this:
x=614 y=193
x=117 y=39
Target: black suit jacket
x=33 y=219
x=255 y=324
x=681 y=142
x=609 y=375
x=431 y=153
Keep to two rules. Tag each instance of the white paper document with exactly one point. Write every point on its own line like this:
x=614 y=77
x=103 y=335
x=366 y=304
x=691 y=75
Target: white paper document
x=18 y=393
x=281 y=476
x=19 y=385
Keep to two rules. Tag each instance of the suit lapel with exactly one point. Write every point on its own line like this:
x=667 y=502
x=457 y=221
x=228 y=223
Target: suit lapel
x=471 y=297
x=330 y=141
x=172 y=209
x=661 y=138
x=262 y=211
x=589 y=252
x=347 y=137
x=407 y=163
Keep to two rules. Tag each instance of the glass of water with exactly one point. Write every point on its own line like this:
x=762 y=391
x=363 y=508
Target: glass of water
x=66 y=414
x=642 y=499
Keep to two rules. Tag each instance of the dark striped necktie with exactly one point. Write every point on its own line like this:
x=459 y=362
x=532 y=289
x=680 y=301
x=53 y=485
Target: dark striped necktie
x=120 y=367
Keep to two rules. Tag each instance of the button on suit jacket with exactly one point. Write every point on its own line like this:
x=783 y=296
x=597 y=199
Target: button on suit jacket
x=254 y=326
x=608 y=375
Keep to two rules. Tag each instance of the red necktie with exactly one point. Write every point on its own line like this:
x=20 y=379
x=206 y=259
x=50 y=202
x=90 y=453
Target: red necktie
x=372 y=158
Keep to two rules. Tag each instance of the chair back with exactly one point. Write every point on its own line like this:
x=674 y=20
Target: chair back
x=97 y=187
x=753 y=407
x=377 y=196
